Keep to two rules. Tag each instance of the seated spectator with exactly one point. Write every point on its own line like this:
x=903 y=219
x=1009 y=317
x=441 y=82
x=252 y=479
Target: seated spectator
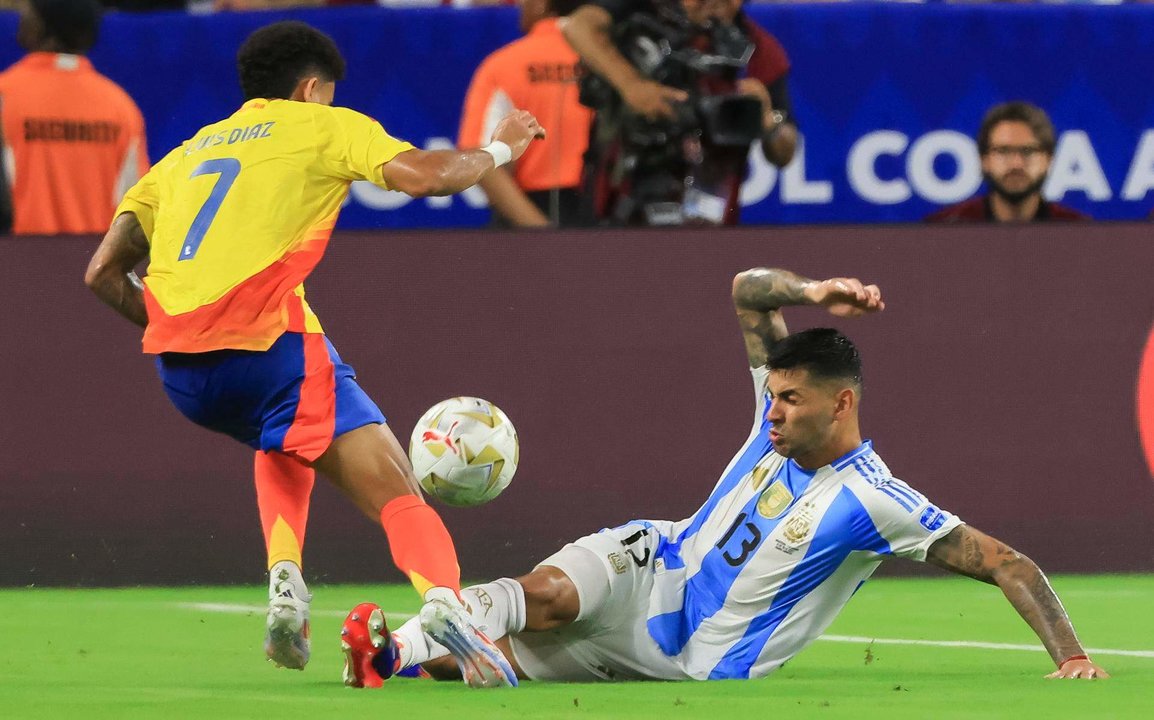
x=73 y=139
x=1016 y=144
x=537 y=73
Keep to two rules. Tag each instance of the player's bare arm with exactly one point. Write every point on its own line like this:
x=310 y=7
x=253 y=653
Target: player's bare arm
x=110 y=272
x=421 y=173
x=760 y=293
x=972 y=553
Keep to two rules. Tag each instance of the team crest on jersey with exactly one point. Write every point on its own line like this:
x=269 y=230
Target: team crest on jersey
x=797 y=527
x=774 y=500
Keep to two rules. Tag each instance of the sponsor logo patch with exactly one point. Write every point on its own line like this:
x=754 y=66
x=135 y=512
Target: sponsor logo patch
x=774 y=501
x=932 y=518
x=618 y=563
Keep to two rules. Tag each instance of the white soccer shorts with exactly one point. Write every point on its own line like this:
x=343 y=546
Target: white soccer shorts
x=613 y=573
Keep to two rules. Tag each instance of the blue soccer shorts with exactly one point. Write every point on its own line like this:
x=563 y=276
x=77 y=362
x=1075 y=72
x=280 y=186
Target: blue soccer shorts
x=293 y=398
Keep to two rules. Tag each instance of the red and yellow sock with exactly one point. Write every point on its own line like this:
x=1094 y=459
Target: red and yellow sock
x=421 y=545
x=283 y=488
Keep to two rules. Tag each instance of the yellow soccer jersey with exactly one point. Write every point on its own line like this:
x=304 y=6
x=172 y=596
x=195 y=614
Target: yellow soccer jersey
x=239 y=216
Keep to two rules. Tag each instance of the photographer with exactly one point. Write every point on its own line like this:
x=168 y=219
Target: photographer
x=700 y=56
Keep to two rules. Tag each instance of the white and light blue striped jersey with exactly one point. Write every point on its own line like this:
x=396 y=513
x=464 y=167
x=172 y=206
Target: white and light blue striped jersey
x=776 y=551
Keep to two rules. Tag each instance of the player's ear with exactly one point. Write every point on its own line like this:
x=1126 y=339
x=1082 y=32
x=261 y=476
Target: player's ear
x=845 y=403
x=307 y=90
x=301 y=91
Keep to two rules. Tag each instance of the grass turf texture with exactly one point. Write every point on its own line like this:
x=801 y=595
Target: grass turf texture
x=144 y=653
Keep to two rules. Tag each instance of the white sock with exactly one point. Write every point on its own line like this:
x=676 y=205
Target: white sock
x=414 y=646
x=285 y=577
x=496 y=609
x=443 y=594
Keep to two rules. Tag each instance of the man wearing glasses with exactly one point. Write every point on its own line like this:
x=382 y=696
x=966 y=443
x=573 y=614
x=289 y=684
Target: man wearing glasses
x=1016 y=143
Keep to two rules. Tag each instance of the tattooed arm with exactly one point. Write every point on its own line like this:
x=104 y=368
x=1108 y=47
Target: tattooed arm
x=760 y=293
x=110 y=273
x=972 y=553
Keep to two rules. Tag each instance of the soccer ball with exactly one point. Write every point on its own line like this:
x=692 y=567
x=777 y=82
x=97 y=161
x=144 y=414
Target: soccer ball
x=464 y=451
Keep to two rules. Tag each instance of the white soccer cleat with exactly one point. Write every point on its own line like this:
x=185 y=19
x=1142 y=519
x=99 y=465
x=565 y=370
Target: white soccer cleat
x=286 y=640
x=482 y=664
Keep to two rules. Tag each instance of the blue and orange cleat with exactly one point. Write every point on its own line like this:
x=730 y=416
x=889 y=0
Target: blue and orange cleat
x=370 y=651
x=481 y=662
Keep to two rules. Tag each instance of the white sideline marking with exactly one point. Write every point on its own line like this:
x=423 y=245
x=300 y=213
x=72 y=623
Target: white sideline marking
x=243 y=609
x=969 y=644
x=235 y=609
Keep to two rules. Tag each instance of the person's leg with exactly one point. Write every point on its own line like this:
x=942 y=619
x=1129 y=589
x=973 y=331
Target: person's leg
x=548 y=598
x=367 y=463
x=446 y=668
x=283 y=488
x=370 y=467
x=496 y=609
x=325 y=420
x=253 y=397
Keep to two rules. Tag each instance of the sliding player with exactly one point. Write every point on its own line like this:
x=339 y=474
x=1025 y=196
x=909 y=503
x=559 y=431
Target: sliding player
x=802 y=516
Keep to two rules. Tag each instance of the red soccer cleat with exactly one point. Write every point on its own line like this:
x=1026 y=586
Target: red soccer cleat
x=370 y=651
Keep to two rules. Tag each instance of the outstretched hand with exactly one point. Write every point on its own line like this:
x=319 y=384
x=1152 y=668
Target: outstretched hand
x=517 y=130
x=1078 y=670
x=846 y=297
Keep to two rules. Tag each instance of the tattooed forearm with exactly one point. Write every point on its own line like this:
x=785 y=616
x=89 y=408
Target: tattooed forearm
x=961 y=552
x=760 y=331
x=973 y=553
x=764 y=289
x=1028 y=590
x=757 y=295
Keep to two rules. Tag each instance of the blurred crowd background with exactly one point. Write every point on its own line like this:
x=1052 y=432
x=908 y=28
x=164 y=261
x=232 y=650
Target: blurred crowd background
x=832 y=112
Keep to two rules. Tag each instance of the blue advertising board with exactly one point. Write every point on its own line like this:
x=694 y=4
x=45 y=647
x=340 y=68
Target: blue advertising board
x=888 y=97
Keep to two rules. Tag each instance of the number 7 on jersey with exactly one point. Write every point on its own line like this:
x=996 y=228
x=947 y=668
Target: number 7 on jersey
x=228 y=169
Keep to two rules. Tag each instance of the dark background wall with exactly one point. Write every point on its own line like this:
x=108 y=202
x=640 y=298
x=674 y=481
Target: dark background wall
x=1001 y=381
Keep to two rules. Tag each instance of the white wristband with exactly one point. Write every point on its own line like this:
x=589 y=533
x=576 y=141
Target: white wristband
x=500 y=152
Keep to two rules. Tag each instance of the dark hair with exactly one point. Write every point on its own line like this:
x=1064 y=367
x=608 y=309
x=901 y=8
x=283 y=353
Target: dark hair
x=824 y=352
x=74 y=24
x=1022 y=112
x=273 y=59
x=561 y=8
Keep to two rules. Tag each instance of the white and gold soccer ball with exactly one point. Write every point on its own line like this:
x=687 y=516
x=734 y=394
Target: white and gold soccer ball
x=464 y=451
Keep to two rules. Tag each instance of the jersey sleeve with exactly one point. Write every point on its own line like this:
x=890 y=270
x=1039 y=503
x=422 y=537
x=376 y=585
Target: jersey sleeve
x=143 y=198
x=355 y=147
x=134 y=164
x=760 y=395
x=904 y=518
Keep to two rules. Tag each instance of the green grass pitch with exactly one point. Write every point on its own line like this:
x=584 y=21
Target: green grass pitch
x=172 y=653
